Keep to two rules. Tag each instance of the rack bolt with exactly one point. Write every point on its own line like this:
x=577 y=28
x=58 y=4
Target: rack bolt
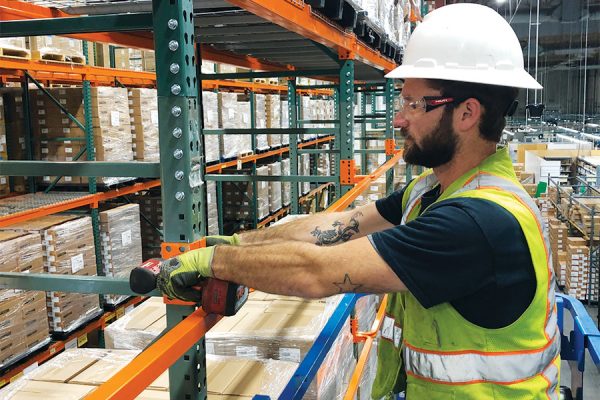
x=348 y=116
x=180 y=196
x=348 y=123
x=172 y=24
x=179 y=175
x=176 y=111
x=174 y=68
x=348 y=107
x=175 y=89
x=173 y=45
x=178 y=153
x=177 y=132
x=348 y=74
x=348 y=82
x=348 y=90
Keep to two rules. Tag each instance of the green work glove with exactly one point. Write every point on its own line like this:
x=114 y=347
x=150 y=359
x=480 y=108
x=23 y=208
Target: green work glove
x=214 y=240
x=179 y=274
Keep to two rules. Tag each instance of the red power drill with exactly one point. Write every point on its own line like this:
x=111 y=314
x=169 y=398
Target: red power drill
x=218 y=297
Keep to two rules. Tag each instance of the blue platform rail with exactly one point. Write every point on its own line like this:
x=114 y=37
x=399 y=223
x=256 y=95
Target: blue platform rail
x=582 y=336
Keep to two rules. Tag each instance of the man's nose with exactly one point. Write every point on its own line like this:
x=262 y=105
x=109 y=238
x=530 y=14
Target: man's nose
x=400 y=121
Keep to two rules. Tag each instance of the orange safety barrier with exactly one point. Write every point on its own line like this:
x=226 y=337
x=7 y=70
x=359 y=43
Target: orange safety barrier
x=368 y=338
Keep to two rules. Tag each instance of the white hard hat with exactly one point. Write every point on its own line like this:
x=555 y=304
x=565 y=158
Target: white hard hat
x=468 y=43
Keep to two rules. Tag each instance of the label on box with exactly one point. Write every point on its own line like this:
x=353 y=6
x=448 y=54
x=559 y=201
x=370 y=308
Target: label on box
x=81 y=340
x=62 y=91
x=44 y=150
x=41 y=112
x=287 y=354
x=2 y=180
x=210 y=348
x=68 y=179
x=115 y=118
x=68 y=150
x=68 y=158
x=63 y=101
x=154 y=116
x=39 y=102
x=126 y=238
x=66 y=130
x=246 y=351
x=77 y=263
x=65 y=121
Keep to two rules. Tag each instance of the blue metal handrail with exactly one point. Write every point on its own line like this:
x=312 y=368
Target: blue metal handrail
x=585 y=335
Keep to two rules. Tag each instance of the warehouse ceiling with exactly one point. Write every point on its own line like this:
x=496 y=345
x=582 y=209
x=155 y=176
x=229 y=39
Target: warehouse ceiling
x=565 y=28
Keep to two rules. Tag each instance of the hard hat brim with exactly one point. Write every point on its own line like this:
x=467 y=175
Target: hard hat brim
x=511 y=78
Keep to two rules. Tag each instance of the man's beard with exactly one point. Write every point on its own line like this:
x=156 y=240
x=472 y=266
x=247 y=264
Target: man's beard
x=436 y=149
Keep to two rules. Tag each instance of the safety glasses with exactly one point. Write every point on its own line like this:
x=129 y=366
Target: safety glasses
x=422 y=105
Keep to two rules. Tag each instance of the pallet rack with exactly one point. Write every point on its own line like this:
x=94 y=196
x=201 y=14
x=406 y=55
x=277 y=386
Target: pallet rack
x=329 y=53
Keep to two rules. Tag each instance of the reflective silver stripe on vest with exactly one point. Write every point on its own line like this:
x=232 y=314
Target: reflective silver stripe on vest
x=422 y=186
x=551 y=375
x=486 y=180
x=474 y=367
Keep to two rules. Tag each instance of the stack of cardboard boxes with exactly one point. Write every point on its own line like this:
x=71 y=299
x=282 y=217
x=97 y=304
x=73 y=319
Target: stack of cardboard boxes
x=558 y=234
x=68 y=249
x=24 y=322
x=375 y=191
x=212 y=146
x=56 y=48
x=14 y=127
x=110 y=119
x=273 y=116
x=143 y=111
x=121 y=244
x=4 y=187
x=151 y=207
x=76 y=373
x=234 y=114
x=578 y=268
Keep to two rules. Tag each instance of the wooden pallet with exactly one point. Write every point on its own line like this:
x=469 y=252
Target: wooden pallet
x=14 y=52
x=57 y=57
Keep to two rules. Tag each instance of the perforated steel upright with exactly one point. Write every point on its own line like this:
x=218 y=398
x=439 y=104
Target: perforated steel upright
x=346 y=116
x=389 y=130
x=181 y=164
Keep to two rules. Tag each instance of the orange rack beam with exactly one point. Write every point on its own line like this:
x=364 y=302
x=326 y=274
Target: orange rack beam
x=89 y=200
x=77 y=338
x=146 y=367
x=297 y=17
x=365 y=180
x=254 y=157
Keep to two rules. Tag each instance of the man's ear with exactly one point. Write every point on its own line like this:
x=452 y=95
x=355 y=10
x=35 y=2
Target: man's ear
x=467 y=114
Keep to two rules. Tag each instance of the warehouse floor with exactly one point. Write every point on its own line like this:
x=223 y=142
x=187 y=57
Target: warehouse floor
x=591 y=376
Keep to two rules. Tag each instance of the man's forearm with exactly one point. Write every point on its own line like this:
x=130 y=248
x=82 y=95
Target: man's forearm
x=322 y=229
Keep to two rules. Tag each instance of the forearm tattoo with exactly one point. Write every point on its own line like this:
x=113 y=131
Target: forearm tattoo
x=347 y=286
x=339 y=233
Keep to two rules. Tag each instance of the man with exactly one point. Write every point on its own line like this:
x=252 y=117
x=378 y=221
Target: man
x=472 y=312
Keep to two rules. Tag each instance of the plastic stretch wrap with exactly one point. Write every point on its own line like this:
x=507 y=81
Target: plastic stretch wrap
x=366 y=308
x=110 y=120
x=138 y=327
x=151 y=206
x=143 y=111
x=273 y=114
x=18 y=44
x=23 y=322
x=260 y=120
x=241 y=378
x=75 y=373
x=121 y=244
x=304 y=169
x=235 y=115
x=284 y=328
x=286 y=196
x=274 y=187
x=308 y=113
x=262 y=193
x=208 y=67
x=57 y=48
x=324 y=164
x=368 y=377
x=212 y=211
x=210 y=105
x=68 y=249
x=285 y=122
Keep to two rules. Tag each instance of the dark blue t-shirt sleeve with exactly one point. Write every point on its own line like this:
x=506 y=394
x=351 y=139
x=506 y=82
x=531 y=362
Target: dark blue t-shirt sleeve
x=390 y=207
x=441 y=256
